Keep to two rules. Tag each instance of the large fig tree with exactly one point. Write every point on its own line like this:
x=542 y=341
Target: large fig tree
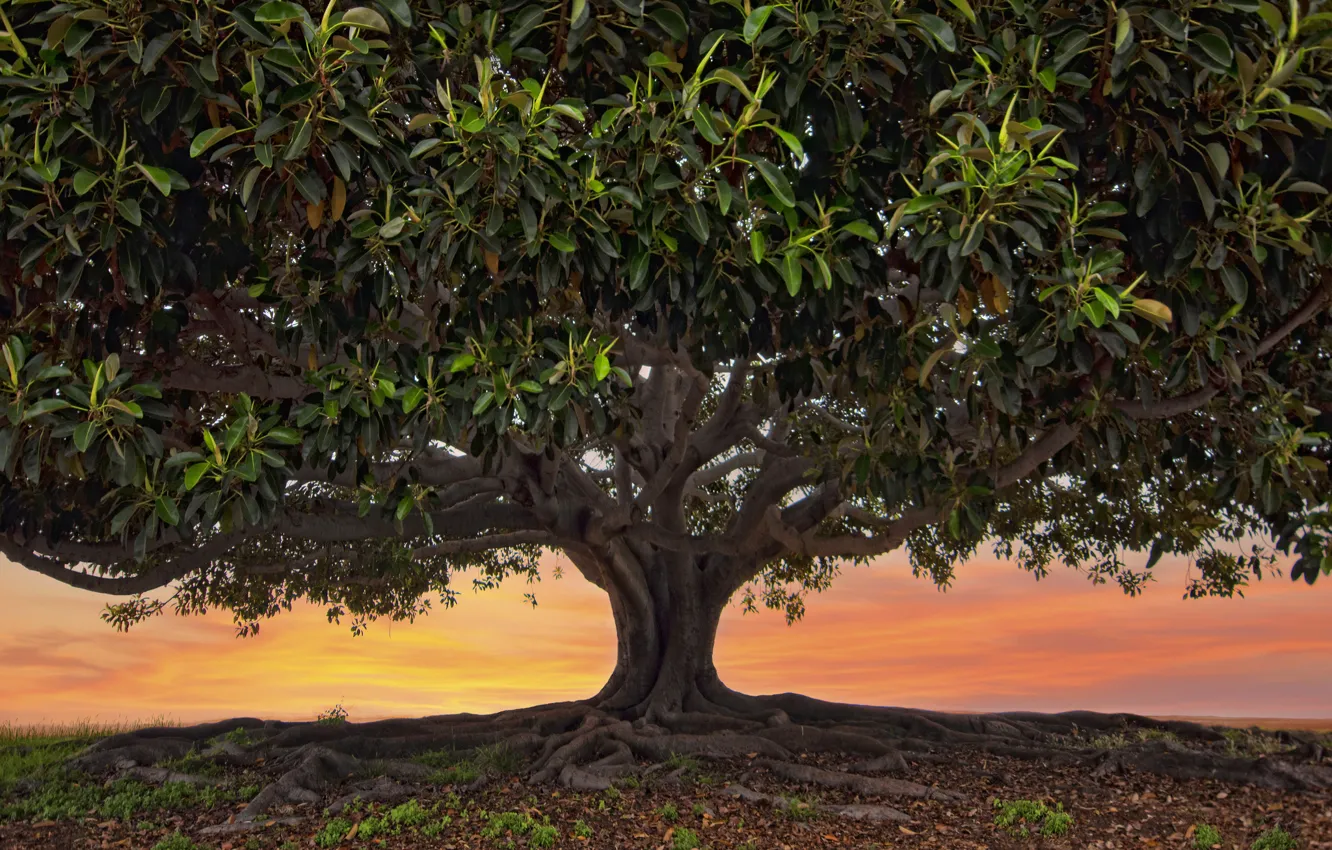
x=333 y=302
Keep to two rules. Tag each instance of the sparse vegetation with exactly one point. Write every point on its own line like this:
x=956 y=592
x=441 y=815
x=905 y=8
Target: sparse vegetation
x=333 y=716
x=581 y=829
x=1275 y=838
x=333 y=832
x=1024 y=817
x=676 y=761
x=699 y=809
x=405 y=817
x=176 y=841
x=668 y=812
x=1205 y=836
x=1251 y=743
x=800 y=808
x=497 y=760
x=685 y=839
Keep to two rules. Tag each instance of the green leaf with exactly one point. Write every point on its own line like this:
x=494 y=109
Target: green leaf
x=938 y=28
x=776 y=181
x=756 y=245
x=83 y=436
x=285 y=436
x=461 y=362
x=601 y=367
x=400 y=10
x=1048 y=78
x=703 y=122
x=208 y=138
x=724 y=192
x=363 y=129
x=129 y=208
x=157 y=176
x=83 y=181
x=560 y=242
x=405 y=505
x=483 y=403
x=731 y=79
x=167 y=511
x=1311 y=114
x=1216 y=48
x=792 y=273
x=791 y=142
x=366 y=19
x=754 y=23
x=412 y=398
x=1027 y=234
x=921 y=203
x=278 y=12
x=965 y=8
x=46 y=405
x=862 y=229
x=1237 y=285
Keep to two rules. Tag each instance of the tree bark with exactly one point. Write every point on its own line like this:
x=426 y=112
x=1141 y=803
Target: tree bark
x=666 y=607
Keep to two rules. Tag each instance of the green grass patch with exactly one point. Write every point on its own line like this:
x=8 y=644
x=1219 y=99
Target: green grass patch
x=581 y=829
x=1275 y=838
x=333 y=832
x=1024 y=817
x=1205 y=836
x=801 y=808
x=668 y=812
x=685 y=839
x=503 y=824
x=65 y=796
x=176 y=841
x=407 y=817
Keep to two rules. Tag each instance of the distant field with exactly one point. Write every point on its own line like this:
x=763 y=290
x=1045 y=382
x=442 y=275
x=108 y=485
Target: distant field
x=1291 y=723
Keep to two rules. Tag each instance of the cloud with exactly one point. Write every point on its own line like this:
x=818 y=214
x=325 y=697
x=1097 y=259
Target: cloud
x=997 y=640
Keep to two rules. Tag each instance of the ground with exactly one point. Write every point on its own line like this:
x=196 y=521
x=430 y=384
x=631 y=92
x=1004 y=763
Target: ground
x=485 y=797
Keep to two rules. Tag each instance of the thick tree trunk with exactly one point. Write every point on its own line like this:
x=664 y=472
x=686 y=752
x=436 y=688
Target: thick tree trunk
x=666 y=614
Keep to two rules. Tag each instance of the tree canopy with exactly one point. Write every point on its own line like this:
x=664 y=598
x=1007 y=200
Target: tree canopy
x=333 y=301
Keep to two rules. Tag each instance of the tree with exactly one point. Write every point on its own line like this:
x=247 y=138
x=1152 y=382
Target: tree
x=336 y=302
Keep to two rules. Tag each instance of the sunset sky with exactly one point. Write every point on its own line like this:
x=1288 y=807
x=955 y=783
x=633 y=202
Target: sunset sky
x=997 y=640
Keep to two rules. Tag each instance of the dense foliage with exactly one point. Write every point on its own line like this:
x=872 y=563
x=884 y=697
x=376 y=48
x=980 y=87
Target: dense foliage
x=329 y=301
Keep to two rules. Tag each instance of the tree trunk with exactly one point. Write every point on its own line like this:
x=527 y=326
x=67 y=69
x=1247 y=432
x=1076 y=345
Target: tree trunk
x=666 y=615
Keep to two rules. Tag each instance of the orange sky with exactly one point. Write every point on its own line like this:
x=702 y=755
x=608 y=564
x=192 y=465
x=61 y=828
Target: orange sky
x=997 y=640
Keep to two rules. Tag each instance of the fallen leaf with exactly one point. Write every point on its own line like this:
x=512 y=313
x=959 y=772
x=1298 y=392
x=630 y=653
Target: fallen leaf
x=1223 y=795
x=906 y=831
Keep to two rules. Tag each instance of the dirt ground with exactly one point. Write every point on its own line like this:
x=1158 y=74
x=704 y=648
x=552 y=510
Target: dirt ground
x=1115 y=812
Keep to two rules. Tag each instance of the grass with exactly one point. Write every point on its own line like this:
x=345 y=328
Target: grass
x=539 y=835
x=1275 y=838
x=62 y=796
x=799 y=808
x=685 y=839
x=409 y=816
x=452 y=767
x=1205 y=836
x=677 y=761
x=333 y=832
x=175 y=841
x=581 y=829
x=668 y=812
x=1250 y=743
x=1022 y=817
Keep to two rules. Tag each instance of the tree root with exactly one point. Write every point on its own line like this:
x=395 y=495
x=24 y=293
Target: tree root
x=585 y=748
x=315 y=770
x=866 y=786
x=1169 y=758
x=853 y=811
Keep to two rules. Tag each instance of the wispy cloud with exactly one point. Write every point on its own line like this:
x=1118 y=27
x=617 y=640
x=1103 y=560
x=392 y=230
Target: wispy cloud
x=997 y=640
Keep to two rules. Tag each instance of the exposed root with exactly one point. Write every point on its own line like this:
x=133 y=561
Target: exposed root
x=893 y=762
x=234 y=827
x=162 y=775
x=854 y=811
x=866 y=786
x=1169 y=758
x=381 y=789
x=586 y=748
x=315 y=770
